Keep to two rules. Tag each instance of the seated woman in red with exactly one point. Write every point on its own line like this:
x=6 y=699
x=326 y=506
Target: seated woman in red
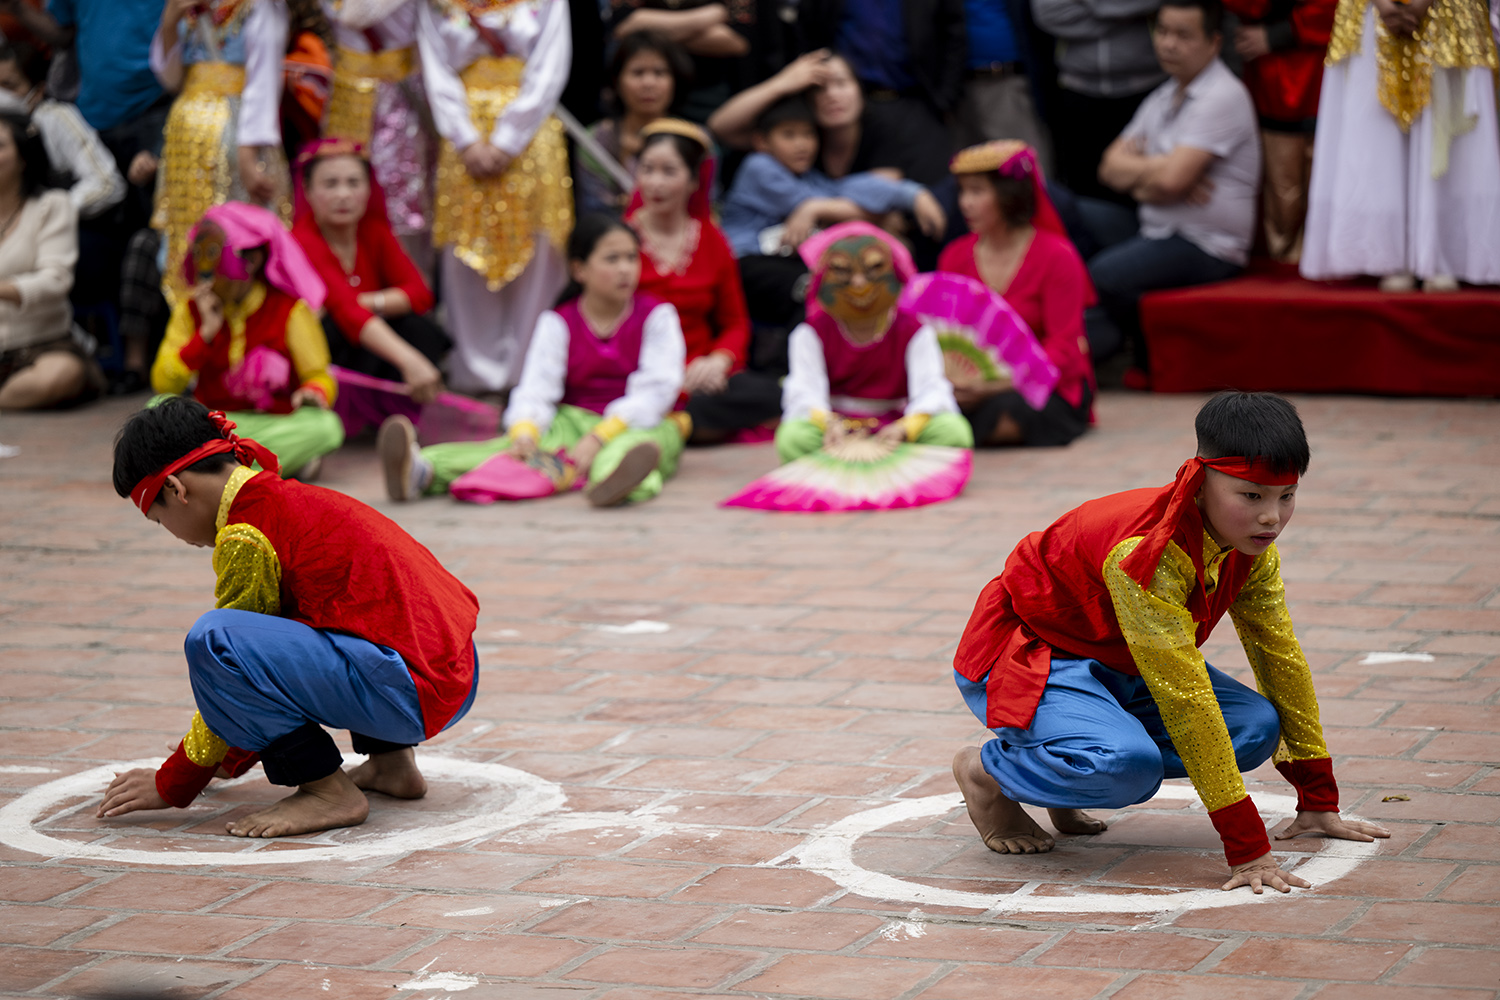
x=1017 y=246
x=686 y=261
x=374 y=316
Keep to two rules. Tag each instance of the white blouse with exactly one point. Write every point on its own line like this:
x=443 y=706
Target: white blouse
x=38 y=256
x=650 y=391
x=265 y=34
x=537 y=32
x=393 y=21
x=805 y=390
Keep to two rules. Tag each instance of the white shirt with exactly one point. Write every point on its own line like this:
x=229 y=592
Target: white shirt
x=805 y=390
x=74 y=147
x=650 y=390
x=1216 y=115
x=264 y=33
x=393 y=21
x=536 y=32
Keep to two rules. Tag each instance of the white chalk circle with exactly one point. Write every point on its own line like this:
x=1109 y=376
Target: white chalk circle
x=830 y=852
x=496 y=798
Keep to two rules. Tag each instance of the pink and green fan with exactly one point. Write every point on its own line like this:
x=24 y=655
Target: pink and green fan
x=861 y=472
x=982 y=337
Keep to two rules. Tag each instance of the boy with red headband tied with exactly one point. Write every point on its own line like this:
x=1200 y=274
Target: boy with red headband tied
x=327 y=614
x=1082 y=656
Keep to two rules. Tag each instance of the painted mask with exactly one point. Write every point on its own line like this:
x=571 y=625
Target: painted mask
x=210 y=258
x=859 y=281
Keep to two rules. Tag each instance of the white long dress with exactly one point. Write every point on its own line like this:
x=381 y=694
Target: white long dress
x=1375 y=206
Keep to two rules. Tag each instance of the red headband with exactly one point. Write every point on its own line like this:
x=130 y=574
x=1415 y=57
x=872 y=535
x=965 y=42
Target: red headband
x=246 y=450
x=1141 y=564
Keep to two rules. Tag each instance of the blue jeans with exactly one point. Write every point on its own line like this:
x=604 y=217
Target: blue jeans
x=1098 y=740
x=1130 y=265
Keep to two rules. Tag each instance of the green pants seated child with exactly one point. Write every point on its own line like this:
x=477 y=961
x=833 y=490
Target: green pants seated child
x=602 y=374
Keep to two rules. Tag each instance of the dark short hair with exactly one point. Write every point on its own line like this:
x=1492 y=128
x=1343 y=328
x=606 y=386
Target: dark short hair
x=792 y=108
x=36 y=166
x=1016 y=199
x=1255 y=425
x=691 y=152
x=679 y=64
x=32 y=62
x=161 y=434
x=1213 y=13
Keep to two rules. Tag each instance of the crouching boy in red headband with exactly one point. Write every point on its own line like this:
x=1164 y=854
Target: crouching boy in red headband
x=1082 y=656
x=327 y=614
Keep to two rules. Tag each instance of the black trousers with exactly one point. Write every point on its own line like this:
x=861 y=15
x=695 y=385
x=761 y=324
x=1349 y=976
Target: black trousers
x=418 y=331
x=1087 y=125
x=750 y=399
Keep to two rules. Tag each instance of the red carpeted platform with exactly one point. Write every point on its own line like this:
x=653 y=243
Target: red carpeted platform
x=1271 y=330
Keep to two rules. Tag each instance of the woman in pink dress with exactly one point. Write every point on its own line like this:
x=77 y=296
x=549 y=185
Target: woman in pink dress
x=1017 y=246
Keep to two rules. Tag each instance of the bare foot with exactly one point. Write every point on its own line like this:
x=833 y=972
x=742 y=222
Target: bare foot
x=1002 y=824
x=324 y=804
x=394 y=774
x=1075 y=821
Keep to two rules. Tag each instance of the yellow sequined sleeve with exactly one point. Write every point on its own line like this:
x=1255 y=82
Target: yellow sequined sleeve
x=1162 y=637
x=168 y=373
x=248 y=570
x=1260 y=616
x=308 y=347
x=202 y=746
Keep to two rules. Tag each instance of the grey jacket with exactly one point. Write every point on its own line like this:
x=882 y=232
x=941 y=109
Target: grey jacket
x=1103 y=46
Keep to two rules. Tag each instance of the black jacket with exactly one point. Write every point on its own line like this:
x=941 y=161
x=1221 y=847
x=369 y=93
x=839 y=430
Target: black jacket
x=934 y=31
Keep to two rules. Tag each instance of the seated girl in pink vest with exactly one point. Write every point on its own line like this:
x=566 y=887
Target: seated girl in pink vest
x=859 y=357
x=602 y=374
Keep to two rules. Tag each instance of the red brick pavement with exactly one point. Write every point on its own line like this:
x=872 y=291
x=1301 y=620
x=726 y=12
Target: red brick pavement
x=804 y=678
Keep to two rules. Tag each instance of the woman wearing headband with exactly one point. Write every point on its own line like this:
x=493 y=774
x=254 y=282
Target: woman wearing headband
x=1017 y=246
x=686 y=260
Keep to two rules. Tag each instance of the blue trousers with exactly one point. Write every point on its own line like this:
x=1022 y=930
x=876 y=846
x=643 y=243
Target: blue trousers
x=270 y=684
x=1098 y=740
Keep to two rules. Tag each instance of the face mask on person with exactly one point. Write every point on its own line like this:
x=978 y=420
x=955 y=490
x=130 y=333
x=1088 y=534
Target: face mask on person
x=859 y=280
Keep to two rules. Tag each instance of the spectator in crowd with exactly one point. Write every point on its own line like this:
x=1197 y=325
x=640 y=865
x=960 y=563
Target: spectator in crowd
x=493 y=80
x=27 y=21
x=1283 y=43
x=1105 y=68
x=686 y=260
x=375 y=315
x=40 y=362
x=715 y=34
x=1406 y=163
x=223 y=59
x=1000 y=96
x=246 y=338
x=910 y=57
x=75 y=150
x=1191 y=157
x=1018 y=247
x=649 y=77
x=378 y=102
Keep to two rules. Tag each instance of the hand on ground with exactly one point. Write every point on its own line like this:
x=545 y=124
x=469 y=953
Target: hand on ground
x=1331 y=824
x=130 y=791
x=1264 y=871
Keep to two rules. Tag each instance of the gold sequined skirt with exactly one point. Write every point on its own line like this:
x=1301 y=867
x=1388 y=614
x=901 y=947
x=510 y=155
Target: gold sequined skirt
x=357 y=77
x=200 y=162
x=492 y=224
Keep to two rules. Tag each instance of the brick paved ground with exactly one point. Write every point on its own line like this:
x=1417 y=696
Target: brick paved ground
x=804 y=679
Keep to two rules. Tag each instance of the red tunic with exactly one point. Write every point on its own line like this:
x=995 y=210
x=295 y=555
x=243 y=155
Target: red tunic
x=345 y=567
x=708 y=295
x=1285 y=83
x=266 y=327
x=1050 y=291
x=379 y=263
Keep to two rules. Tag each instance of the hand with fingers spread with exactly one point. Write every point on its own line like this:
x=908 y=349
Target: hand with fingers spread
x=1331 y=824
x=130 y=791
x=1264 y=871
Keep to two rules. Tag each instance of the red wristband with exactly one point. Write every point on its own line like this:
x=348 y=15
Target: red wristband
x=1242 y=831
x=1316 y=789
x=179 y=780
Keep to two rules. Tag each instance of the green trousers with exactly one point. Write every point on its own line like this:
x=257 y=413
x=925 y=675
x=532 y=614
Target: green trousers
x=297 y=437
x=569 y=426
x=795 y=438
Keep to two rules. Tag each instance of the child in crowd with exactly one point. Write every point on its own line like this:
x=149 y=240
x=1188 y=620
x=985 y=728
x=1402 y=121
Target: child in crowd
x=1082 y=656
x=328 y=614
x=860 y=356
x=778 y=185
x=601 y=376
x=246 y=329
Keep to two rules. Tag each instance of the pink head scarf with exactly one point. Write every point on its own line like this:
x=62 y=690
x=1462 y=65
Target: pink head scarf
x=246 y=227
